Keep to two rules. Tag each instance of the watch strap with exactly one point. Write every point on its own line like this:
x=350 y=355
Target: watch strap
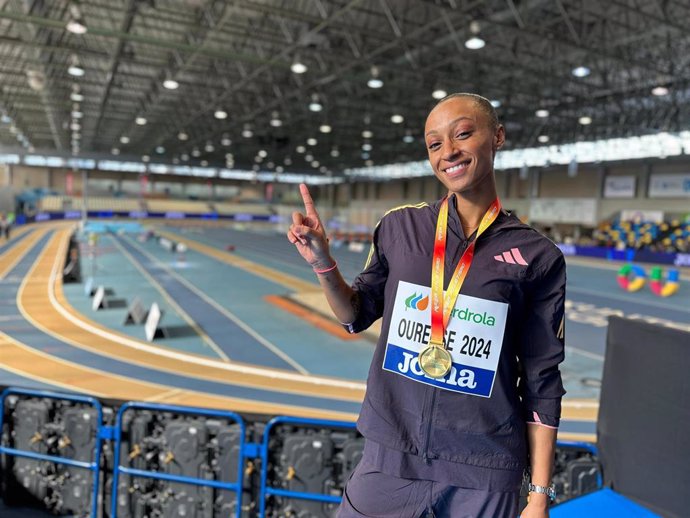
x=549 y=491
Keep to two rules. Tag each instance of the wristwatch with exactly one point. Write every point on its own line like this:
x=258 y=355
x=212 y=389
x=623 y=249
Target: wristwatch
x=549 y=491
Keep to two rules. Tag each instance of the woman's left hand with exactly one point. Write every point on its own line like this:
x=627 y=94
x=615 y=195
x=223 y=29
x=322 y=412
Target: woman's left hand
x=536 y=509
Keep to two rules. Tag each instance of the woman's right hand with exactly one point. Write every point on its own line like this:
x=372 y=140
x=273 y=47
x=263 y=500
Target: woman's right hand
x=308 y=234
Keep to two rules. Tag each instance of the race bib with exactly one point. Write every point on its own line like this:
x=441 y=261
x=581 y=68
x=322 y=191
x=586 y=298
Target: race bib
x=474 y=338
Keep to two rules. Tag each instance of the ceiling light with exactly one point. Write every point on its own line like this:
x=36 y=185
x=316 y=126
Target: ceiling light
x=279 y=169
x=439 y=94
x=323 y=169
x=585 y=120
x=124 y=139
x=543 y=139
x=145 y=158
x=275 y=120
x=76 y=136
x=6 y=119
x=229 y=156
x=184 y=157
x=287 y=161
x=115 y=151
x=196 y=153
x=308 y=157
x=182 y=136
x=300 y=149
x=475 y=43
x=225 y=140
x=258 y=159
x=170 y=84
x=315 y=105
x=141 y=121
x=495 y=103
x=659 y=91
x=542 y=113
x=315 y=163
x=75 y=126
x=76 y=97
x=368 y=163
x=247 y=131
x=270 y=165
x=312 y=141
x=160 y=150
x=366 y=147
x=75 y=70
x=367 y=134
x=175 y=160
x=262 y=153
x=204 y=163
x=335 y=153
x=76 y=24
x=325 y=128
x=256 y=167
x=374 y=81
x=298 y=67
x=209 y=147
x=397 y=118
x=581 y=71
x=408 y=139
x=220 y=114
x=365 y=155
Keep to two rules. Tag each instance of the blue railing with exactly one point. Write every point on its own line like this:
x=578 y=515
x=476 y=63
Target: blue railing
x=230 y=486
x=265 y=490
x=93 y=466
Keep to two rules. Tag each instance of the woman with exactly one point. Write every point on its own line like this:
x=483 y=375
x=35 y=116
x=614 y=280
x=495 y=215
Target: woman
x=464 y=387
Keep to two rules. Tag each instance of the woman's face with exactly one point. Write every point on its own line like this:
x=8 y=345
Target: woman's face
x=461 y=144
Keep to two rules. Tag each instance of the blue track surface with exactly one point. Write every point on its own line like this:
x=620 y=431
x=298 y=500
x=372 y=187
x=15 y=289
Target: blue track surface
x=24 y=332
x=601 y=504
x=235 y=342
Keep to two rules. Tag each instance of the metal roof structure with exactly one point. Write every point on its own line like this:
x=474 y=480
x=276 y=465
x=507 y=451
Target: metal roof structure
x=591 y=65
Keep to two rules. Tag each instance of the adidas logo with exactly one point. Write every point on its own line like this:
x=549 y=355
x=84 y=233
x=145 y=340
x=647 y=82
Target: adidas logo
x=512 y=256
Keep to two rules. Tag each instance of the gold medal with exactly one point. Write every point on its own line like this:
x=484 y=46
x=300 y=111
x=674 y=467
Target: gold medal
x=435 y=361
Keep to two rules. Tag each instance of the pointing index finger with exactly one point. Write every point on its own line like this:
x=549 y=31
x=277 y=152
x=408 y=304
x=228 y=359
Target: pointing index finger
x=306 y=198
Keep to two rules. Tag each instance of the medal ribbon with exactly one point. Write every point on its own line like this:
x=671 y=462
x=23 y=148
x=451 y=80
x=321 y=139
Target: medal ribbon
x=441 y=307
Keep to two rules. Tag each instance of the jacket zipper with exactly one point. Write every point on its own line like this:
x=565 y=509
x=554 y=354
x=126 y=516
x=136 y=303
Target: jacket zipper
x=430 y=420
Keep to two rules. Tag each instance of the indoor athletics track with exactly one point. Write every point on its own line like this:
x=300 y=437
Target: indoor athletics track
x=247 y=329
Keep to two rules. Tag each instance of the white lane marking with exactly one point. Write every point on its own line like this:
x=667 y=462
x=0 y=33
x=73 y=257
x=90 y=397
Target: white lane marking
x=231 y=316
x=172 y=303
x=141 y=346
x=623 y=298
x=587 y=354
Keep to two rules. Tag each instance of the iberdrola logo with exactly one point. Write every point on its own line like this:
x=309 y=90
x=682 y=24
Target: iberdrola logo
x=417 y=302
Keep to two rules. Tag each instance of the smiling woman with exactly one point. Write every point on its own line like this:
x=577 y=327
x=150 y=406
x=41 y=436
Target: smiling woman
x=443 y=420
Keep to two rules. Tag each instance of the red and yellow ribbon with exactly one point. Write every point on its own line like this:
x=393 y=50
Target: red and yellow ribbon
x=441 y=307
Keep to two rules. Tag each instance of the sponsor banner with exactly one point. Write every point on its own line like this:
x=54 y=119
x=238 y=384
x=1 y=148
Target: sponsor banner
x=642 y=256
x=474 y=339
x=619 y=186
x=640 y=216
x=563 y=210
x=669 y=186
